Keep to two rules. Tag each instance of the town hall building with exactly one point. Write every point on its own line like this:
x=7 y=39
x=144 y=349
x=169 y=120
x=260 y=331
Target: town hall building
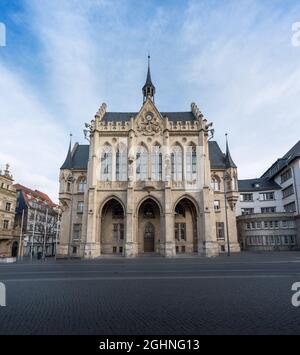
x=148 y=183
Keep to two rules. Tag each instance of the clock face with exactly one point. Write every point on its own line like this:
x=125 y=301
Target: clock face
x=148 y=117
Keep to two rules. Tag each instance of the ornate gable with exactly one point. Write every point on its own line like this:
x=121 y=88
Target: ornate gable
x=149 y=121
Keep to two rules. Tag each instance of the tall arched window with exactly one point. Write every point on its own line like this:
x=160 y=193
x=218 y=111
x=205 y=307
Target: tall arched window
x=82 y=184
x=176 y=160
x=106 y=163
x=142 y=163
x=215 y=183
x=191 y=163
x=121 y=164
x=156 y=166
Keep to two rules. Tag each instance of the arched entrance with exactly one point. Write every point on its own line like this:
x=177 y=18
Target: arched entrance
x=185 y=227
x=112 y=236
x=149 y=226
x=14 y=249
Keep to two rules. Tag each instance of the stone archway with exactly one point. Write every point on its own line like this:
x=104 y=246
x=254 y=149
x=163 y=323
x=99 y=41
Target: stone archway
x=112 y=237
x=185 y=227
x=149 y=227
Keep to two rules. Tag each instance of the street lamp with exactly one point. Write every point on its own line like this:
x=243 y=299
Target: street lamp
x=226 y=178
x=71 y=181
x=21 y=237
x=56 y=233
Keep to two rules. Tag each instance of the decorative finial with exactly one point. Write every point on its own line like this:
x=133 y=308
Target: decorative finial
x=6 y=171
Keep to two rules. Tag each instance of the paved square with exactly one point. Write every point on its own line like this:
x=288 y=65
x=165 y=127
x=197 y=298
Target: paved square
x=241 y=294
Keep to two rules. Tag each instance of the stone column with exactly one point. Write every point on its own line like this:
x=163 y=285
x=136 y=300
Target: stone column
x=63 y=246
x=169 y=224
x=169 y=242
x=91 y=247
x=207 y=240
x=232 y=230
x=131 y=244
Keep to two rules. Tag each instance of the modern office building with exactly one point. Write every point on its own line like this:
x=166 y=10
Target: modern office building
x=268 y=207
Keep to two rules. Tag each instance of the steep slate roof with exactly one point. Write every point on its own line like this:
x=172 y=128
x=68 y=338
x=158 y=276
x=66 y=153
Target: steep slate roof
x=228 y=160
x=80 y=156
x=216 y=156
x=148 y=79
x=260 y=184
x=68 y=160
x=293 y=152
x=281 y=163
x=78 y=159
x=125 y=116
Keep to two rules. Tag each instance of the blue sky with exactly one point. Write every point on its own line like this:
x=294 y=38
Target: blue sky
x=64 y=58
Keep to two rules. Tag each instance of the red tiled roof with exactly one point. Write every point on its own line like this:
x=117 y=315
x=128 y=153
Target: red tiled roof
x=36 y=194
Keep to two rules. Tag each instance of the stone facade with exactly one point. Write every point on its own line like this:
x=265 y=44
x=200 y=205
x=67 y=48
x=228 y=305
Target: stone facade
x=8 y=236
x=146 y=185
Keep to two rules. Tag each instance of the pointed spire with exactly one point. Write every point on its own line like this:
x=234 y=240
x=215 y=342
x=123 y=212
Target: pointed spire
x=148 y=88
x=148 y=80
x=68 y=161
x=229 y=163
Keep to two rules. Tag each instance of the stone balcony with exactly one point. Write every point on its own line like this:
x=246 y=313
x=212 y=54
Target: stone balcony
x=112 y=185
x=147 y=185
x=65 y=195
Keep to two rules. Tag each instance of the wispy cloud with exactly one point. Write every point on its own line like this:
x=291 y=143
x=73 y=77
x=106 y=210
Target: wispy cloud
x=233 y=58
x=31 y=139
x=245 y=74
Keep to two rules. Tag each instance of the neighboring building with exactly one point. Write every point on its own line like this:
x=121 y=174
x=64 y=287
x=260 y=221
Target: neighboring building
x=40 y=220
x=268 y=209
x=8 y=240
x=149 y=182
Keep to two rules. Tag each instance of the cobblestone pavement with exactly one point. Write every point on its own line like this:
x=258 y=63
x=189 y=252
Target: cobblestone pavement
x=241 y=294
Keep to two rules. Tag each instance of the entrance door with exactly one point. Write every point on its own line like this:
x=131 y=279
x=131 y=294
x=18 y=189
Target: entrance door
x=14 y=249
x=149 y=236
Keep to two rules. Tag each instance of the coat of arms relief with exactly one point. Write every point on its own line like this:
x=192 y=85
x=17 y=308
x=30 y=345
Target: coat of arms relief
x=148 y=124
